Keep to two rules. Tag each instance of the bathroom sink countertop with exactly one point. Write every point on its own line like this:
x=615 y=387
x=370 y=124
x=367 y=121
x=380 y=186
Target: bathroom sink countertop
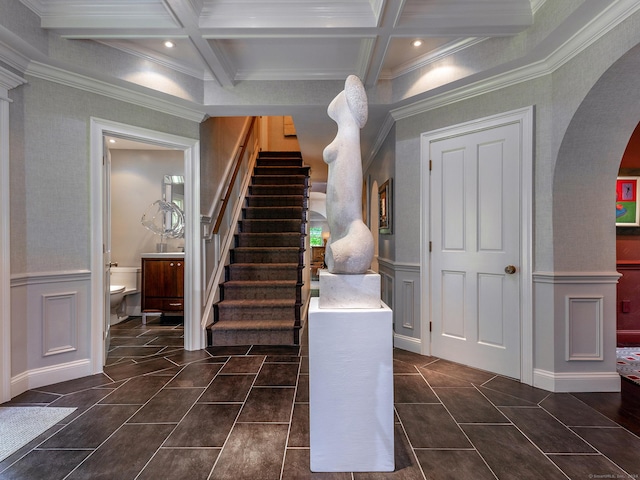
x=163 y=255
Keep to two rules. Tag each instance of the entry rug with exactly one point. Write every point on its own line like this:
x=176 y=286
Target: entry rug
x=20 y=425
x=628 y=363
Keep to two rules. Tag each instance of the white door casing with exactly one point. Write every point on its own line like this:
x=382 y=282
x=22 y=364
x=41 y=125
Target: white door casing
x=106 y=232
x=477 y=215
x=194 y=336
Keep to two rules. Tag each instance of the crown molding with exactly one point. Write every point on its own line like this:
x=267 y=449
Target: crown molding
x=585 y=37
x=9 y=80
x=93 y=85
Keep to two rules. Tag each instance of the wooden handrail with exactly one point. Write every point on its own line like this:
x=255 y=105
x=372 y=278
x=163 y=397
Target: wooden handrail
x=225 y=200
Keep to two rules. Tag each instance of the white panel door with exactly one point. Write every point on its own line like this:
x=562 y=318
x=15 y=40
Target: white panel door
x=475 y=249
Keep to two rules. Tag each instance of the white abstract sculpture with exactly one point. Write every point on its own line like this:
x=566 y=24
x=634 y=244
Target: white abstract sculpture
x=350 y=247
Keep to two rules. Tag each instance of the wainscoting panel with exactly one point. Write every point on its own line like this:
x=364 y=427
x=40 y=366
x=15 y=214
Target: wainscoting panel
x=585 y=325
x=401 y=282
x=59 y=323
x=50 y=328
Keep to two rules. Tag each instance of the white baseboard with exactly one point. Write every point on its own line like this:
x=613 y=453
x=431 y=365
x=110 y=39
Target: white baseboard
x=407 y=343
x=41 y=377
x=576 y=381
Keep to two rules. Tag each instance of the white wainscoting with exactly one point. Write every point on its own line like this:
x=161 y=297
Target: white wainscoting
x=401 y=291
x=50 y=328
x=575 y=318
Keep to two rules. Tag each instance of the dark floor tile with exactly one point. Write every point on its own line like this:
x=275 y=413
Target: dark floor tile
x=229 y=350
x=124 y=454
x=406 y=466
x=504 y=400
x=403 y=367
x=92 y=428
x=282 y=359
x=120 y=372
x=243 y=365
x=516 y=389
x=468 y=405
x=579 y=467
x=509 y=454
x=274 y=350
x=183 y=357
x=545 y=431
x=278 y=375
x=574 y=413
x=263 y=443
x=437 y=379
x=302 y=393
x=136 y=391
x=195 y=375
x=165 y=372
x=412 y=358
x=618 y=444
x=81 y=400
x=77 y=385
x=44 y=465
x=453 y=465
x=113 y=360
x=299 y=434
x=267 y=404
x=473 y=375
x=228 y=388
x=297 y=467
x=130 y=351
x=412 y=389
x=168 y=406
x=163 y=332
x=168 y=341
x=25 y=449
x=183 y=463
x=127 y=341
x=206 y=425
x=33 y=397
x=430 y=426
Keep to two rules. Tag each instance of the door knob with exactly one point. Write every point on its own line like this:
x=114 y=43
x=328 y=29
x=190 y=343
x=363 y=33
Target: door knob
x=510 y=269
x=112 y=264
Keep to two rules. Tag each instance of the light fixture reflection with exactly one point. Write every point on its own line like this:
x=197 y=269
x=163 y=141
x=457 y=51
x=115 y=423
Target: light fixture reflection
x=416 y=43
x=169 y=44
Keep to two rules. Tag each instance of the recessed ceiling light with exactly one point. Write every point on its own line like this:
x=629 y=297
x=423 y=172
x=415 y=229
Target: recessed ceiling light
x=416 y=43
x=111 y=140
x=169 y=44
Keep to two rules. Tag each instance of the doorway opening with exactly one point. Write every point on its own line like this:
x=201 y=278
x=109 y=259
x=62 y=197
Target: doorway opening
x=194 y=338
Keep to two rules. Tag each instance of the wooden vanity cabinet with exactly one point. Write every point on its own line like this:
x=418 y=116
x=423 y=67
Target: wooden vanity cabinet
x=163 y=284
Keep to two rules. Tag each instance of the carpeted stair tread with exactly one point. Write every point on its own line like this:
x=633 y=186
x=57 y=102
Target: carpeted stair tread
x=278 y=179
x=288 y=212
x=276 y=200
x=260 y=303
x=277 y=189
x=253 y=325
x=274 y=239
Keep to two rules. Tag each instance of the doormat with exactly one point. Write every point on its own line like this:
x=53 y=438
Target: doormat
x=628 y=363
x=20 y=425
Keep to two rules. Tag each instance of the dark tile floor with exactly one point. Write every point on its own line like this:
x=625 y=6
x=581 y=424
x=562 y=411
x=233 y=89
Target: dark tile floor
x=160 y=412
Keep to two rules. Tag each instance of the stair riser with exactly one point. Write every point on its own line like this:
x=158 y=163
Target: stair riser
x=269 y=240
x=277 y=201
x=285 y=213
x=261 y=273
x=278 y=180
x=272 y=226
x=255 y=337
x=260 y=293
x=239 y=313
x=277 y=190
x=280 y=170
x=276 y=256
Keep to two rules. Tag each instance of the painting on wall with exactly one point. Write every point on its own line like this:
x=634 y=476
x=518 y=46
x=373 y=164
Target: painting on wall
x=384 y=208
x=627 y=211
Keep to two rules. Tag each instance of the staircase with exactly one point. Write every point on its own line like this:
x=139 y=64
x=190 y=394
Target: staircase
x=261 y=298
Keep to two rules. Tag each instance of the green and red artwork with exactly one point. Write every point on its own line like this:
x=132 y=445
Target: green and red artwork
x=627 y=201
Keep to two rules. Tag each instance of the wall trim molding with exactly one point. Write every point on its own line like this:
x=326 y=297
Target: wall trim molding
x=40 y=377
x=399 y=266
x=38 y=278
x=576 y=381
x=557 y=278
x=410 y=344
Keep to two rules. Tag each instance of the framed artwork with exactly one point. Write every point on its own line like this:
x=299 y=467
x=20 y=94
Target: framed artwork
x=385 y=208
x=627 y=211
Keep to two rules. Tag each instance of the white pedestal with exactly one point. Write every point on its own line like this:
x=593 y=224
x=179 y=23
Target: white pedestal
x=351 y=389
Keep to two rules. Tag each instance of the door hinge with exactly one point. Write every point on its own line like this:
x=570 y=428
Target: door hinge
x=430 y=245
x=430 y=326
x=430 y=165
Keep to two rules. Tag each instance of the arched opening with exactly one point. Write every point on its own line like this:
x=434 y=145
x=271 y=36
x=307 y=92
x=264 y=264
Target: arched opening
x=587 y=167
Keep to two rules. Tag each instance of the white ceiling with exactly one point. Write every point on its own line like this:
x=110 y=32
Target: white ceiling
x=241 y=47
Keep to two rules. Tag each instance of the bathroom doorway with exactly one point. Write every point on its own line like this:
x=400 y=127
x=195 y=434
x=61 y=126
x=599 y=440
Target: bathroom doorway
x=194 y=338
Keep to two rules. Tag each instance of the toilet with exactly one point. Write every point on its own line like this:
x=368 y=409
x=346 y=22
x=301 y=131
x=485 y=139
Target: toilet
x=124 y=293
